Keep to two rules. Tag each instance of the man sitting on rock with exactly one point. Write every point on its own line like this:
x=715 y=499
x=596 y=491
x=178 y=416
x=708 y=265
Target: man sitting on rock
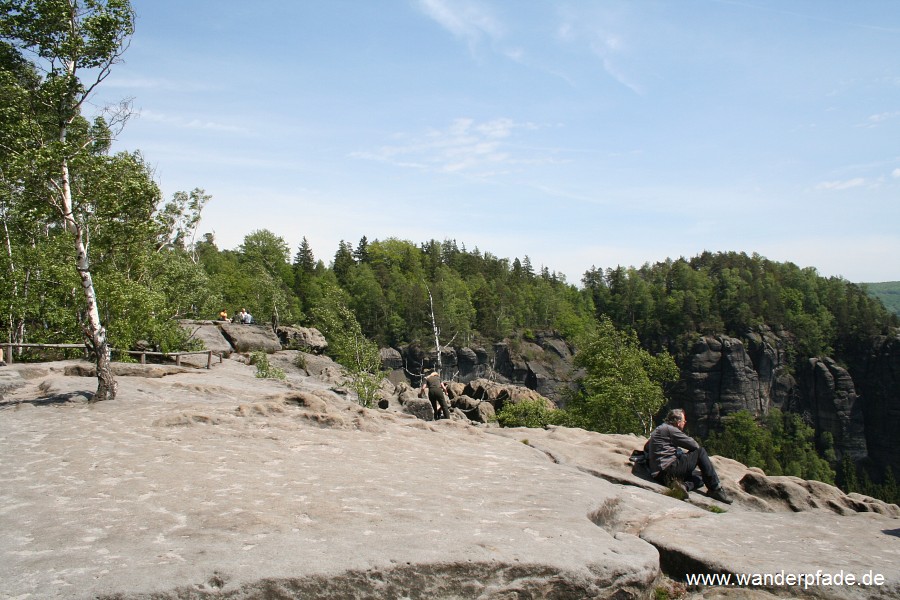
x=674 y=455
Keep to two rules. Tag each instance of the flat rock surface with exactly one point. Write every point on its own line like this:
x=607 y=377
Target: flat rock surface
x=215 y=484
x=753 y=543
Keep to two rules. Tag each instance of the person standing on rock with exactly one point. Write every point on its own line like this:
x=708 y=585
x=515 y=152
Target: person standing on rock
x=436 y=389
x=674 y=455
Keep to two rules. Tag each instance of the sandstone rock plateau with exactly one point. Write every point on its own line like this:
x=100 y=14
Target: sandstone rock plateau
x=216 y=484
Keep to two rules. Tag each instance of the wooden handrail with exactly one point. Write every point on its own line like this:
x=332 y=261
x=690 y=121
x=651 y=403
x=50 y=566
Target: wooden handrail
x=142 y=353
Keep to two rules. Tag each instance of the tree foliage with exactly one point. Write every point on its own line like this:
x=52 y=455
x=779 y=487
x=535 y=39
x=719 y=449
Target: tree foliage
x=72 y=46
x=346 y=342
x=780 y=443
x=731 y=292
x=66 y=202
x=623 y=386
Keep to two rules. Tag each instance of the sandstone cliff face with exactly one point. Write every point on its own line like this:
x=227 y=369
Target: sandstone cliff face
x=859 y=405
x=877 y=376
x=830 y=398
x=542 y=363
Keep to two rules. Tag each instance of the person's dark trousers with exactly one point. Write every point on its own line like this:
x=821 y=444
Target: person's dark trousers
x=683 y=469
x=439 y=399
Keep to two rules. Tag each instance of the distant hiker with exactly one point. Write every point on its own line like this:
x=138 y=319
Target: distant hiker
x=223 y=316
x=245 y=317
x=670 y=464
x=2 y=362
x=436 y=388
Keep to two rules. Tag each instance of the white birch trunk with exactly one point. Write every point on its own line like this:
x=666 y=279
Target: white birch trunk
x=93 y=330
x=437 y=341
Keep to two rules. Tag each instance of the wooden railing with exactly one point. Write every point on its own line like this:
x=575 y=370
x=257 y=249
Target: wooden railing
x=8 y=353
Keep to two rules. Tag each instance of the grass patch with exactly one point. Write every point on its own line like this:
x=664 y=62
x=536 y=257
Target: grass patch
x=676 y=492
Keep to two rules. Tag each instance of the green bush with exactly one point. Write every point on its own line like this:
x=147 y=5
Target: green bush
x=264 y=370
x=530 y=413
x=782 y=444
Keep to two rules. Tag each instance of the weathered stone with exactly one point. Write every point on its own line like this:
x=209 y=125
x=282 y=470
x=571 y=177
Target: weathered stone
x=455 y=388
x=391 y=359
x=250 y=338
x=719 y=380
x=281 y=488
x=464 y=403
x=876 y=373
x=86 y=369
x=482 y=413
x=418 y=407
x=407 y=396
x=797 y=495
x=466 y=360
x=9 y=380
x=209 y=334
x=834 y=406
x=308 y=339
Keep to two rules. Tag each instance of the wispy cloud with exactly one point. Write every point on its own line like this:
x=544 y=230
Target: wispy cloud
x=841 y=184
x=877 y=119
x=465 y=146
x=188 y=123
x=166 y=85
x=608 y=46
x=466 y=19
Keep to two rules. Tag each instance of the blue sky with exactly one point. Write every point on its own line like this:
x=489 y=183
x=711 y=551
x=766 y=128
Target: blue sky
x=577 y=133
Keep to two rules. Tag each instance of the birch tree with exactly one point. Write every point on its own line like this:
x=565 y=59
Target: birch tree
x=623 y=386
x=73 y=44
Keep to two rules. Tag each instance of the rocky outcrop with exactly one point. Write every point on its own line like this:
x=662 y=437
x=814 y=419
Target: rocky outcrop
x=722 y=375
x=542 y=362
x=461 y=363
x=250 y=338
x=307 y=339
x=209 y=334
x=876 y=374
x=476 y=401
x=830 y=398
x=718 y=378
x=290 y=489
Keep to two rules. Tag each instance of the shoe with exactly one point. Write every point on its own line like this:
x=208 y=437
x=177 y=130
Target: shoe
x=720 y=494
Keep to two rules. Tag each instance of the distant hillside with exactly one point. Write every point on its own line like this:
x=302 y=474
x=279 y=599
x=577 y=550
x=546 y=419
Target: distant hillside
x=889 y=294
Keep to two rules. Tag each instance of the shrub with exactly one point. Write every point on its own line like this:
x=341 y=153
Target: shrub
x=529 y=413
x=264 y=370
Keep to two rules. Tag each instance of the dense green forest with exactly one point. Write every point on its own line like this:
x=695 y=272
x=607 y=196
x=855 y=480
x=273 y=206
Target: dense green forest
x=888 y=292
x=91 y=249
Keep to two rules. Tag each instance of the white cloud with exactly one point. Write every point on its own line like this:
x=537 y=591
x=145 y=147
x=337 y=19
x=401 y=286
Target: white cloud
x=465 y=19
x=150 y=83
x=185 y=123
x=895 y=173
x=882 y=117
x=609 y=47
x=841 y=185
x=465 y=145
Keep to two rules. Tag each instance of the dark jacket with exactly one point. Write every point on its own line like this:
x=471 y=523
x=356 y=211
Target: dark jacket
x=664 y=442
